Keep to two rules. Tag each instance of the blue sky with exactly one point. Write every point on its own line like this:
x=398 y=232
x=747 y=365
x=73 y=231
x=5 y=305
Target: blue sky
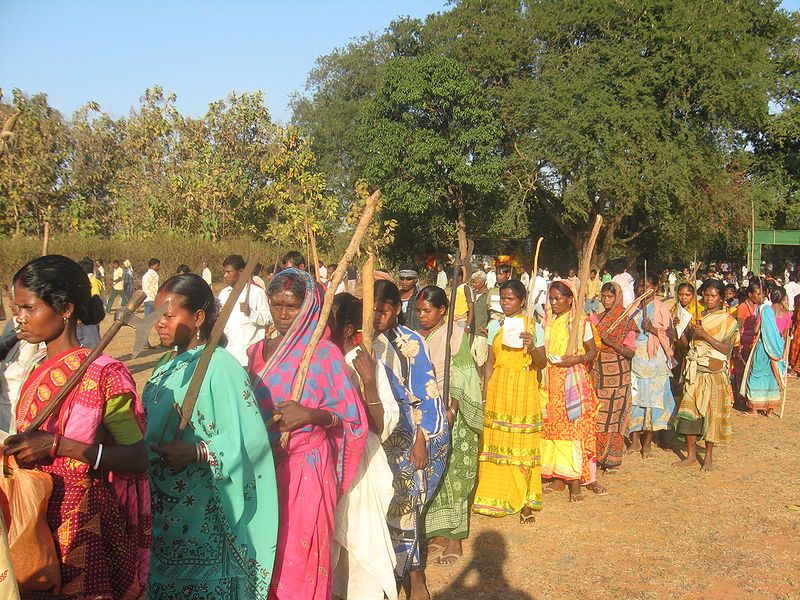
x=109 y=51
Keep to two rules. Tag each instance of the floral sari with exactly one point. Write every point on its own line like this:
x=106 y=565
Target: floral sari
x=414 y=387
x=318 y=464
x=100 y=519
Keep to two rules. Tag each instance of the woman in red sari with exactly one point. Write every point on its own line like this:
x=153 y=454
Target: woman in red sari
x=93 y=448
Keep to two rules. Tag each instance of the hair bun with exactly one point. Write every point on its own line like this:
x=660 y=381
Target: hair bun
x=94 y=312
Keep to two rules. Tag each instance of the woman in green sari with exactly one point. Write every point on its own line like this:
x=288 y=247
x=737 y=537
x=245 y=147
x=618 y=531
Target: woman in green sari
x=214 y=497
x=447 y=518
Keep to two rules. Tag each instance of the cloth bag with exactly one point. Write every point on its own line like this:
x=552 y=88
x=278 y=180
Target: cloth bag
x=24 y=495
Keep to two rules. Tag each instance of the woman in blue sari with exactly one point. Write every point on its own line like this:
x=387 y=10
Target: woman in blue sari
x=765 y=380
x=417 y=448
x=214 y=496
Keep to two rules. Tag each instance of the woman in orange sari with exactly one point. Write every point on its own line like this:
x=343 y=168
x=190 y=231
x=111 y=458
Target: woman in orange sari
x=93 y=448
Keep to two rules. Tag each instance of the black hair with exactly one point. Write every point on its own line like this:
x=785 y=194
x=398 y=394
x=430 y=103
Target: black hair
x=197 y=295
x=183 y=269
x=755 y=284
x=777 y=295
x=234 y=260
x=516 y=287
x=716 y=284
x=87 y=264
x=346 y=310
x=435 y=295
x=685 y=286
x=731 y=287
x=505 y=269
x=288 y=282
x=609 y=288
x=387 y=291
x=653 y=280
x=58 y=281
x=561 y=287
x=294 y=258
x=153 y=262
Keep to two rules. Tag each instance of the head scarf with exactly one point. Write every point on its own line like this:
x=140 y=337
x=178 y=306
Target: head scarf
x=609 y=317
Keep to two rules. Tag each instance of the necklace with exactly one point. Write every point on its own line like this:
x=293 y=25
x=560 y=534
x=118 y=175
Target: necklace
x=162 y=377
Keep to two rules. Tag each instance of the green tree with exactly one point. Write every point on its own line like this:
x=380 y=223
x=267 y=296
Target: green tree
x=431 y=141
x=33 y=171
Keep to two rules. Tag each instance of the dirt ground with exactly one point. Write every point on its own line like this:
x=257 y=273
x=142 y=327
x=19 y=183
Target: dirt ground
x=661 y=533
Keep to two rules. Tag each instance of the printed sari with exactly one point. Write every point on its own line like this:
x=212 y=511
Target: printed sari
x=706 y=405
x=318 y=464
x=569 y=439
x=611 y=375
x=448 y=513
x=509 y=465
x=214 y=525
x=100 y=519
x=764 y=383
x=414 y=387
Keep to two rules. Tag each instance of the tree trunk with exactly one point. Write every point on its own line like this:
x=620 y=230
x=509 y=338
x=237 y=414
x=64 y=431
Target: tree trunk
x=46 y=241
x=461 y=232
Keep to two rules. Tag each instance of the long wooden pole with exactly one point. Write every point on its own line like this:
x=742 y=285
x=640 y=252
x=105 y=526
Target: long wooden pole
x=312 y=238
x=193 y=391
x=368 y=302
x=336 y=279
x=585 y=267
x=534 y=275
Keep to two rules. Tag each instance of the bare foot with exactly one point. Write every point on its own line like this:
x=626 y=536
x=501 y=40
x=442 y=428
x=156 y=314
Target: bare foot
x=636 y=446
x=707 y=466
x=452 y=552
x=557 y=485
x=686 y=462
x=647 y=453
x=526 y=516
x=419 y=589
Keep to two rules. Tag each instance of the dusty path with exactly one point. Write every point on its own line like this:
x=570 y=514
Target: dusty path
x=661 y=533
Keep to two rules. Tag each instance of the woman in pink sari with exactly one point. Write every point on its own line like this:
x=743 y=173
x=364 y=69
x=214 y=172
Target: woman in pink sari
x=327 y=435
x=93 y=448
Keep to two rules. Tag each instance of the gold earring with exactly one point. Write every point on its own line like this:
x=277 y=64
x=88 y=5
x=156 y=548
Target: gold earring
x=65 y=320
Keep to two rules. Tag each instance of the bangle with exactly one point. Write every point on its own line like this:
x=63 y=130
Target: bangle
x=99 y=456
x=56 y=442
x=197 y=452
x=373 y=403
x=334 y=421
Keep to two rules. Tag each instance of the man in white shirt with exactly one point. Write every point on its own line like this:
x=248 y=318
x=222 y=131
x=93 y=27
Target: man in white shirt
x=539 y=295
x=150 y=284
x=250 y=317
x=441 y=275
x=206 y=273
x=117 y=285
x=625 y=281
x=491 y=276
x=792 y=289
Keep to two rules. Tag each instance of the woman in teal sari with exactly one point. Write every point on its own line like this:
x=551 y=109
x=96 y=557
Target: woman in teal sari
x=214 y=497
x=765 y=380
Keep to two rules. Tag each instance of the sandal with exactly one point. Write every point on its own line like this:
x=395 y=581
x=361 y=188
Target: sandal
x=613 y=472
x=597 y=489
x=443 y=559
x=577 y=497
x=527 y=519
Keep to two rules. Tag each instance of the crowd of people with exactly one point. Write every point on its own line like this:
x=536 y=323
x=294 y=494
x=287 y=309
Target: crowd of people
x=485 y=391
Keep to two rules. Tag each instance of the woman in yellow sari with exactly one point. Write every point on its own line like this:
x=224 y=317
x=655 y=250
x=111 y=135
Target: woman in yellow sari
x=705 y=409
x=509 y=479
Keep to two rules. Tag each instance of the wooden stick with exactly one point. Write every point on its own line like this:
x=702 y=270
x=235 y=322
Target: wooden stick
x=585 y=267
x=694 y=286
x=56 y=403
x=368 y=302
x=534 y=274
x=193 y=391
x=338 y=275
x=312 y=238
x=628 y=311
x=448 y=351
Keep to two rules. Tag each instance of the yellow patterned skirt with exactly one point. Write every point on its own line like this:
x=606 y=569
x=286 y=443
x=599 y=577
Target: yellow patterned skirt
x=509 y=477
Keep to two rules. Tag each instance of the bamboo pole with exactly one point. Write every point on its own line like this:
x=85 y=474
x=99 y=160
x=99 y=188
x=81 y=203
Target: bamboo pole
x=368 y=302
x=312 y=238
x=534 y=275
x=585 y=267
x=336 y=279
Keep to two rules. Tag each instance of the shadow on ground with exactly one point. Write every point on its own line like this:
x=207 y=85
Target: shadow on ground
x=483 y=577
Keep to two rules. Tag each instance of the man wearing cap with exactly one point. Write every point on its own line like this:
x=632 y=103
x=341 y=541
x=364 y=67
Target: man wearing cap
x=408 y=277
